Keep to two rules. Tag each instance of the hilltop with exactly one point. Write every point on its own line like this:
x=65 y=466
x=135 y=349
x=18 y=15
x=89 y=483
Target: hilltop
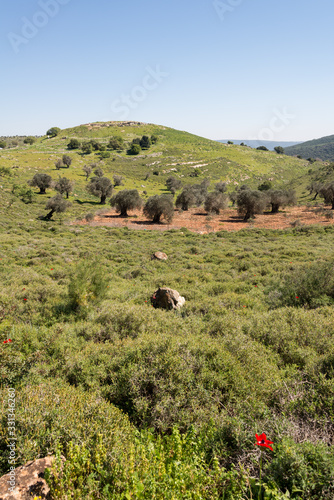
x=322 y=149
x=180 y=153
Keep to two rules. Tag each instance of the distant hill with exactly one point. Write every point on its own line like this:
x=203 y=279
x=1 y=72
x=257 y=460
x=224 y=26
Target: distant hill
x=255 y=144
x=318 y=148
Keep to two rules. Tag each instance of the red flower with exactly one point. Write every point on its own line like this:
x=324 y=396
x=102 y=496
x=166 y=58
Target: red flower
x=263 y=441
x=6 y=341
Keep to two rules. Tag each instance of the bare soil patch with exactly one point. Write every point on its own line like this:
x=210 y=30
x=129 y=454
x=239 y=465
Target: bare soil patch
x=197 y=220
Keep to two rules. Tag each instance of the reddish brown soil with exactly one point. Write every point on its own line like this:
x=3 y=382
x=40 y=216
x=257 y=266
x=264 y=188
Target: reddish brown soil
x=197 y=220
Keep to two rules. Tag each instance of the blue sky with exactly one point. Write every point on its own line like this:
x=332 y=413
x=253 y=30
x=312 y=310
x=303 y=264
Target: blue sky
x=222 y=69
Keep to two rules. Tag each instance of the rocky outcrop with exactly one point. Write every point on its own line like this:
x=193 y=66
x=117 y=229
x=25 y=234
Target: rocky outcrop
x=159 y=256
x=166 y=298
x=27 y=482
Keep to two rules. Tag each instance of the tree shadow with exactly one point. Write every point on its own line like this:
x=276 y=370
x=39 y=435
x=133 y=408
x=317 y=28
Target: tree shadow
x=234 y=219
x=90 y=203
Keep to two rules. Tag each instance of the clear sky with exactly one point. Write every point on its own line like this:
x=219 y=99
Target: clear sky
x=222 y=69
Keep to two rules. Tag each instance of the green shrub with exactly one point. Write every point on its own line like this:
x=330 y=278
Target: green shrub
x=88 y=285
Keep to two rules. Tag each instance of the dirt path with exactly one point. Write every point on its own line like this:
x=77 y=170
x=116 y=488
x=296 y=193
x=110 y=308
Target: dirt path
x=198 y=221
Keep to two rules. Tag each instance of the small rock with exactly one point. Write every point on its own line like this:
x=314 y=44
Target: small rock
x=159 y=256
x=27 y=481
x=166 y=298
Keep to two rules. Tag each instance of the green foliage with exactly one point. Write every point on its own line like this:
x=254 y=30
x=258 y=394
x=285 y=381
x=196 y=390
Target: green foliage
x=159 y=206
x=25 y=194
x=100 y=187
x=145 y=142
x=319 y=148
x=57 y=204
x=215 y=202
x=53 y=132
x=87 y=148
x=279 y=150
x=87 y=286
x=134 y=149
x=251 y=202
x=3 y=144
x=306 y=286
x=74 y=144
x=29 y=140
x=67 y=160
x=262 y=148
x=42 y=181
x=265 y=186
x=64 y=186
x=127 y=199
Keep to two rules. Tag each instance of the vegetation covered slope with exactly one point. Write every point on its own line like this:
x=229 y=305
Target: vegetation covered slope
x=146 y=403
x=179 y=153
x=318 y=148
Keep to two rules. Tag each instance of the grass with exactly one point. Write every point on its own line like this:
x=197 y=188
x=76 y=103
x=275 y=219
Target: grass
x=145 y=403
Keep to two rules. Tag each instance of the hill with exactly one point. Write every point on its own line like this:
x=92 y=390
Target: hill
x=256 y=143
x=151 y=403
x=322 y=149
x=184 y=155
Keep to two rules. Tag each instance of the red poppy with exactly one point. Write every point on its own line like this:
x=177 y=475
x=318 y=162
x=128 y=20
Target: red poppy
x=297 y=297
x=24 y=299
x=263 y=441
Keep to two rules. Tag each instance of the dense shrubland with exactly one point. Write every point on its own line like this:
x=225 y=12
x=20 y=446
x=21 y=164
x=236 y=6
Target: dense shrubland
x=185 y=392
x=146 y=403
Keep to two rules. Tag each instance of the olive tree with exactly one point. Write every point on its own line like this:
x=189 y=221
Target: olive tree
x=251 y=202
x=186 y=199
x=100 y=187
x=215 y=201
x=127 y=199
x=57 y=204
x=221 y=187
x=88 y=170
x=64 y=185
x=118 y=180
x=42 y=181
x=67 y=160
x=280 y=197
x=327 y=192
x=159 y=206
x=173 y=184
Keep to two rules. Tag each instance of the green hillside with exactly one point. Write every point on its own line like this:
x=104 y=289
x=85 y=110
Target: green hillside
x=151 y=404
x=318 y=148
x=176 y=153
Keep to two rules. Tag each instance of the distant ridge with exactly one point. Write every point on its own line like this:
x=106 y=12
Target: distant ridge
x=256 y=143
x=322 y=148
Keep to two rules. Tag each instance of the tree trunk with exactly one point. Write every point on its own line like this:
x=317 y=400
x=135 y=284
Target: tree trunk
x=67 y=194
x=274 y=208
x=124 y=213
x=41 y=190
x=50 y=214
x=156 y=219
x=103 y=199
x=316 y=194
x=247 y=216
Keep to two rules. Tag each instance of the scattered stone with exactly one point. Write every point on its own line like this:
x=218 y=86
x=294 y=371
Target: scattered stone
x=27 y=481
x=166 y=298
x=159 y=256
